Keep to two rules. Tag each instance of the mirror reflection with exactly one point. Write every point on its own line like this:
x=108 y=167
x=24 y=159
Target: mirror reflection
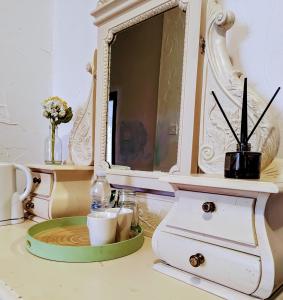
x=145 y=93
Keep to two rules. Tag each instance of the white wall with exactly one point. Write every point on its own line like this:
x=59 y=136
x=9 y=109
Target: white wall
x=25 y=76
x=256 y=47
x=74 y=43
x=44 y=48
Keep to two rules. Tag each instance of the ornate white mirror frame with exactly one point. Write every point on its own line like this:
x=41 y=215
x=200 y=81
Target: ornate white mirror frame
x=203 y=135
x=114 y=16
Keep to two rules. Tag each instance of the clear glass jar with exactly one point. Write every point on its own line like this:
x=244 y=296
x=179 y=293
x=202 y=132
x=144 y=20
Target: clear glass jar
x=127 y=199
x=53 y=147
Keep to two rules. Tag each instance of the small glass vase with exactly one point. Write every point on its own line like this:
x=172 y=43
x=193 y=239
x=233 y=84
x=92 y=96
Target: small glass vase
x=53 y=147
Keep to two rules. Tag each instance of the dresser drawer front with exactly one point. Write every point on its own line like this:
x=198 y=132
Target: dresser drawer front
x=38 y=207
x=230 y=268
x=232 y=218
x=42 y=183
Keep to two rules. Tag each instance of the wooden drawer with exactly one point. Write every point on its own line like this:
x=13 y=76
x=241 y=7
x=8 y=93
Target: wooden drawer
x=44 y=183
x=38 y=207
x=233 y=218
x=230 y=268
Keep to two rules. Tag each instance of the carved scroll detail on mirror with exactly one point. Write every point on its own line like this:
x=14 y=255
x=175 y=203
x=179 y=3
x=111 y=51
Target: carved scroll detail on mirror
x=220 y=75
x=82 y=135
x=106 y=58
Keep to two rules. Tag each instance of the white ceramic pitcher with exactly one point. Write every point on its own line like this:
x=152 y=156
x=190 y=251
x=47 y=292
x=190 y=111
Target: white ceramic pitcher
x=11 y=202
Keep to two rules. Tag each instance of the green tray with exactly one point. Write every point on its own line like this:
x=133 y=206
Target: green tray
x=77 y=253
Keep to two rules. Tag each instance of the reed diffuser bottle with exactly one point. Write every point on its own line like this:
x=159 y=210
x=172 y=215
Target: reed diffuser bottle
x=243 y=163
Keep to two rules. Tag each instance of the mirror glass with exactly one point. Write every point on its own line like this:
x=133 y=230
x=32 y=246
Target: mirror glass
x=145 y=93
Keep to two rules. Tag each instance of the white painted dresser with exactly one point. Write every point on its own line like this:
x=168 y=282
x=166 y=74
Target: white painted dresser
x=59 y=191
x=224 y=236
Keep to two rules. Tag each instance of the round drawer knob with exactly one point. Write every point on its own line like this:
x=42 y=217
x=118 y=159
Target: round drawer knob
x=36 y=180
x=196 y=260
x=29 y=205
x=208 y=207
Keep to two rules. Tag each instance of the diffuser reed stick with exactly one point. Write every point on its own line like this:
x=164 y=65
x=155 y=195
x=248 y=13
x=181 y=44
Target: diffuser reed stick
x=262 y=115
x=244 y=121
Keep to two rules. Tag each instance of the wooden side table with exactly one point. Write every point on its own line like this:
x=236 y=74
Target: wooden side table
x=59 y=191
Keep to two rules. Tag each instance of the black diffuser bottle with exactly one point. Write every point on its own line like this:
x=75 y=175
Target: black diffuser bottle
x=243 y=164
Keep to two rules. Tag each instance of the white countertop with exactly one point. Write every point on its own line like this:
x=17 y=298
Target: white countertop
x=127 y=278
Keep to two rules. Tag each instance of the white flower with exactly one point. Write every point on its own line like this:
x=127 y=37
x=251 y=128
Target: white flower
x=55 y=109
x=62 y=113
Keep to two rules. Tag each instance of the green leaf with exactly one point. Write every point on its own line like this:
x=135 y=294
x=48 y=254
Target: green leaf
x=67 y=118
